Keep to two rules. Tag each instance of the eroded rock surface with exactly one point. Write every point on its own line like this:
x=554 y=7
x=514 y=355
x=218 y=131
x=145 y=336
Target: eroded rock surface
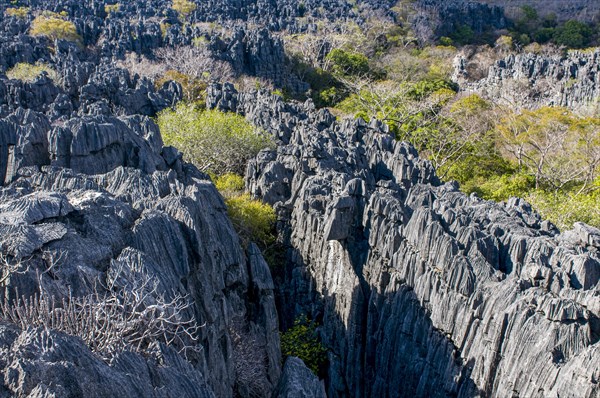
x=98 y=201
x=421 y=290
x=533 y=80
x=297 y=381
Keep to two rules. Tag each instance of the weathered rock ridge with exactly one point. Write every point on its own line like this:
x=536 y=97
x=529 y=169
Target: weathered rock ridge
x=421 y=290
x=532 y=80
x=432 y=19
x=104 y=196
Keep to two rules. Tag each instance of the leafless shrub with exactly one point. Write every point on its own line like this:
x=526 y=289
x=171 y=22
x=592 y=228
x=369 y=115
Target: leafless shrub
x=10 y=267
x=249 y=83
x=250 y=363
x=142 y=66
x=195 y=61
x=13 y=265
x=111 y=319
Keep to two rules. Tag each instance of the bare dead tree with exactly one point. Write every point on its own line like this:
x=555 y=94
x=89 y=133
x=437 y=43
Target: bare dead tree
x=250 y=362
x=112 y=319
x=196 y=61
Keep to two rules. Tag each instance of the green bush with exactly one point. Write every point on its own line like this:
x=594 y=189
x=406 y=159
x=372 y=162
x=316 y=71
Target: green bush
x=424 y=88
x=111 y=8
x=252 y=219
x=230 y=185
x=463 y=34
x=529 y=26
x=564 y=209
x=184 y=7
x=302 y=341
x=29 y=72
x=505 y=186
x=54 y=26
x=346 y=63
x=446 y=41
x=216 y=142
x=544 y=35
x=573 y=34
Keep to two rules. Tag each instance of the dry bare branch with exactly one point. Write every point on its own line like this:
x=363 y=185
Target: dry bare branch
x=112 y=320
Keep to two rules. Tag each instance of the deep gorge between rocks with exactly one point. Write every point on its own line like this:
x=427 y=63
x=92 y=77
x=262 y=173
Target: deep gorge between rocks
x=418 y=289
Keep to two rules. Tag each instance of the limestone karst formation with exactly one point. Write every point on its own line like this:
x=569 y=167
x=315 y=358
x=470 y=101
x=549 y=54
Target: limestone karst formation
x=419 y=290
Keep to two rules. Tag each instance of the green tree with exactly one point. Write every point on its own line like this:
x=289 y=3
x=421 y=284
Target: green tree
x=29 y=72
x=552 y=144
x=216 y=142
x=463 y=34
x=573 y=34
x=302 y=341
x=347 y=63
x=54 y=26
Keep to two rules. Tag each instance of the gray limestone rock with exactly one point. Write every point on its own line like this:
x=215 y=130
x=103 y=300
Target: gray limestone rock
x=297 y=381
x=422 y=291
x=115 y=206
x=44 y=363
x=533 y=80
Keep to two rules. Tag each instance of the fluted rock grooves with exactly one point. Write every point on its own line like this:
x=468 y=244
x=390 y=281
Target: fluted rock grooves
x=533 y=80
x=421 y=290
x=104 y=194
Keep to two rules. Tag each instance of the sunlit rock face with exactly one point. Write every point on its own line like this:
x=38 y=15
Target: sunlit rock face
x=421 y=290
x=532 y=80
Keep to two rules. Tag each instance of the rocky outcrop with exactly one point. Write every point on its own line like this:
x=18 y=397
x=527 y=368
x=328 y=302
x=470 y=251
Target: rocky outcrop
x=421 y=290
x=297 y=381
x=432 y=19
x=531 y=80
x=99 y=199
x=44 y=363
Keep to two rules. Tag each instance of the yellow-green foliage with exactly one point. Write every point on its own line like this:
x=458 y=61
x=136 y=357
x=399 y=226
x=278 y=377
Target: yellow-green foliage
x=20 y=12
x=302 y=341
x=54 y=27
x=29 y=72
x=253 y=219
x=193 y=88
x=500 y=187
x=184 y=7
x=230 y=185
x=564 y=209
x=110 y=8
x=216 y=142
x=548 y=156
x=164 y=28
x=199 y=41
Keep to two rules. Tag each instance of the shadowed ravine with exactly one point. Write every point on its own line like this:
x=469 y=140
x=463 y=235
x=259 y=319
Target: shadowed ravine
x=423 y=290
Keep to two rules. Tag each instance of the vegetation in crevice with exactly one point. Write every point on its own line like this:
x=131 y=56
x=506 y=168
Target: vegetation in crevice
x=302 y=341
x=29 y=72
